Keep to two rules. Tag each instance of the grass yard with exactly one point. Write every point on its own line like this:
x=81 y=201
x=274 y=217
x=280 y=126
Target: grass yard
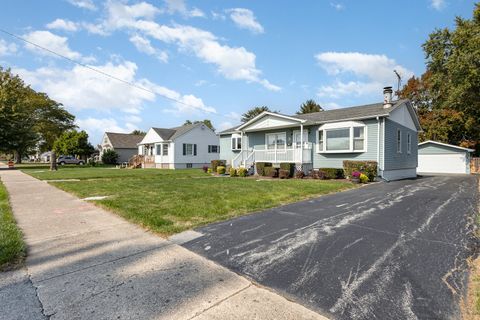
x=168 y=201
x=12 y=247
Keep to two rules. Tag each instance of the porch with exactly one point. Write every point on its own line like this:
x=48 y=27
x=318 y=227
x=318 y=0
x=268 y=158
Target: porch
x=259 y=153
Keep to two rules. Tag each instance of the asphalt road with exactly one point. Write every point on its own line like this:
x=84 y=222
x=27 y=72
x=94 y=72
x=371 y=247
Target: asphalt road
x=385 y=251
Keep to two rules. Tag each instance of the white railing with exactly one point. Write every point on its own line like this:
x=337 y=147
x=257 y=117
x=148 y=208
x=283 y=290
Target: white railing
x=238 y=161
x=293 y=155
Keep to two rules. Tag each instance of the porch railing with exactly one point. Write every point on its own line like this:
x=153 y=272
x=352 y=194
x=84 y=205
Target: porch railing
x=246 y=158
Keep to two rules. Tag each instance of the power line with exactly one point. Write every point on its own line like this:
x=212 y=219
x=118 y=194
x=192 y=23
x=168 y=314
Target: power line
x=94 y=69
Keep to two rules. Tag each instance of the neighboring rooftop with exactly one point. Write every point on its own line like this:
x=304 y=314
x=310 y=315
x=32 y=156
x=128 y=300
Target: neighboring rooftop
x=172 y=133
x=124 y=140
x=357 y=112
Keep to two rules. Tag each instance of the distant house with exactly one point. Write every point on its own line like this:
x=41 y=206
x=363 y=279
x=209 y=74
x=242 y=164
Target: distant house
x=124 y=144
x=383 y=132
x=188 y=146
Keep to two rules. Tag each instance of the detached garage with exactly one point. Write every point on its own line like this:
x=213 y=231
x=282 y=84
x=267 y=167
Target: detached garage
x=437 y=157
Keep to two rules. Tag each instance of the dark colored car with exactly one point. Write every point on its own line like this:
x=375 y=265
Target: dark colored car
x=62 y=160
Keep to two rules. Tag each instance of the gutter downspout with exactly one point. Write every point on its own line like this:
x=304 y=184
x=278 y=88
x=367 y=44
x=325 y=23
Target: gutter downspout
x=301 y=145
x=383 y=155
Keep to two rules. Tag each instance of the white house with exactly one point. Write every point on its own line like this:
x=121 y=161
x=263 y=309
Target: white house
x=188 y=146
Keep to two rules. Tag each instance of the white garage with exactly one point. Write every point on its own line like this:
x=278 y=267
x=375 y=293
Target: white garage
x=437 y=157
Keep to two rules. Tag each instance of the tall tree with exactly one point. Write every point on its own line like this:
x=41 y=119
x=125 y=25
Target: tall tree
x=309 y=106
x=207 y=122
x=252 y=113
x=138 y=132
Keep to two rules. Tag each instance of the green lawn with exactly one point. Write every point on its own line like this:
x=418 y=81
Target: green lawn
x=12 y=247
x=168 y=201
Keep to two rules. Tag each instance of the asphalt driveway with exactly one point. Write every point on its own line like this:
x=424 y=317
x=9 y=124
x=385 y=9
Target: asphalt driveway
x=386 y=251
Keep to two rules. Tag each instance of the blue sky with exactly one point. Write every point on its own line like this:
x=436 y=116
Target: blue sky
x=218 y=58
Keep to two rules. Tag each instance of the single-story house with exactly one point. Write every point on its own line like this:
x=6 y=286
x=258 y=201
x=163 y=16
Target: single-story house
x=187 y=146
x=438 y=157
x=124 y=144
x=383 y=132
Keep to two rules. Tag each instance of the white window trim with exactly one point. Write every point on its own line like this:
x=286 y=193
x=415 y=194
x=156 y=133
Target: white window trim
x=409 y=143
x=186 y=149
x=235 y=137
x=346 y=125
x=399 y=145
x=276 y=149
x=305 y=138
x=163 y=149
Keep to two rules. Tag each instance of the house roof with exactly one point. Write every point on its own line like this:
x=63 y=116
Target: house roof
x=124 y=140
x=173 y=133
x=445 y=145
x=351 y=113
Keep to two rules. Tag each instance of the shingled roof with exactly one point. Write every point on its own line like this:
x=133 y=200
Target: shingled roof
x=173 y=133
x=124 y=140
x=351 y=113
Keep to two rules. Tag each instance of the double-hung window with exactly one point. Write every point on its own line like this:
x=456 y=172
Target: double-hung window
x=158 y=150
x=165 y=149
x=342 y=137
x=213 y=149
x=399 y=141
x=236 y=143
x=189 y=149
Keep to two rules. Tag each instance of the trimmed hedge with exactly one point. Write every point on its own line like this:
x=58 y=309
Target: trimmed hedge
x=215 y=163
x=283 y=174
x=221 y=170
x=270 y=172
x=242 y=172
x=289 y=167
x=332 y=173
x=369 y=168
x=233 y=172
x=261 y=167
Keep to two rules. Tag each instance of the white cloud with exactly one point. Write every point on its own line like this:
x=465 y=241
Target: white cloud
x=218 y=16
x=174 y=6
x=55 y=43
x=84 y=4
x=235 y=63
x=337 y=6
x=438 y=4
x=245 y=19
x=372 y=72
x=225 y=125
x=95 y=127
x=122 y=15
x=143 y=45
x=61 y=24
x=7 y=48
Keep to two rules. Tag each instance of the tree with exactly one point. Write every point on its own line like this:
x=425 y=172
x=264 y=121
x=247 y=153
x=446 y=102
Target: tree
x=73 y=143
x=252 y=113
x=138 y=132
x=446 y=95
x=309 y=106
x=207 y=122
x=110 y=157
x=29 y=120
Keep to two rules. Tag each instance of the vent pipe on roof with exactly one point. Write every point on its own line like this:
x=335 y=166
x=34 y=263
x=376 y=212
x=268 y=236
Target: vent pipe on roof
x=387 y=97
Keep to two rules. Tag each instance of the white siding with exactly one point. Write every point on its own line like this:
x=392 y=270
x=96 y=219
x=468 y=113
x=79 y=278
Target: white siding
x=151 y=137
x=202 y=138
x=269 y=122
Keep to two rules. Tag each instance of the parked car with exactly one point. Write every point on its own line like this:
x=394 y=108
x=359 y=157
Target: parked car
x=62 y=160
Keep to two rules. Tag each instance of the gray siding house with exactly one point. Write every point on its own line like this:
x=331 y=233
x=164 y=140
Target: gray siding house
x=383 y=132
x=124 y=144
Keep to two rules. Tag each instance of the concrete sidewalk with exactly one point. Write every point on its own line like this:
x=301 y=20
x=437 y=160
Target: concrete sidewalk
x=86 y=263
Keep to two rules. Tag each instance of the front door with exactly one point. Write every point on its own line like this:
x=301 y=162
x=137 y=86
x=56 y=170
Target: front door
x=297 y=141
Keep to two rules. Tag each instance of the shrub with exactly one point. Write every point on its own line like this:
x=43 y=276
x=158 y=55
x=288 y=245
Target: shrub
x=332 y=173
x=215 y=163
x=110 y=157
x=91 y=162
x=261 y=168
x=270 y=172
x=299 y=174
x=220 y=169
x=205 y=169
x=283 y=174
x=318 y=174
x=242 y=172
x=364 y=178
x=289 y=167
x=356 y=174
x=209 y=170
x=233 y=172
x=369 y=168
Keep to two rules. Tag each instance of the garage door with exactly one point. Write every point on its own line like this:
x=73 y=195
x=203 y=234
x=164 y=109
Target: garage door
x=442 y=163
